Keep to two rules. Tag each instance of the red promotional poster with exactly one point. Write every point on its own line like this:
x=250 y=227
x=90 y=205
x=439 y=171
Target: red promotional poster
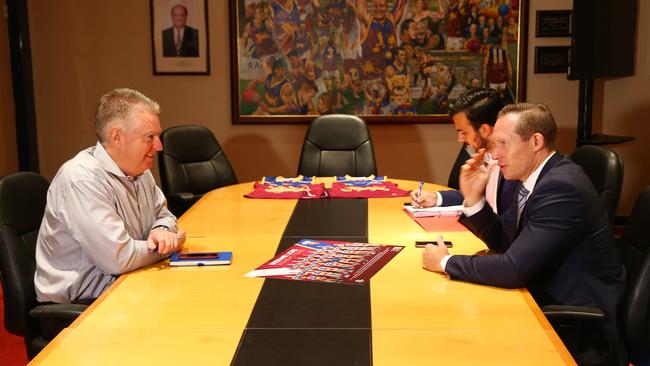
x=328 y=261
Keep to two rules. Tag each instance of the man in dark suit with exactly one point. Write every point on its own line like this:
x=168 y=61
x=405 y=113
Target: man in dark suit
x=474 y=114
x=555 y=240
x=180 y=40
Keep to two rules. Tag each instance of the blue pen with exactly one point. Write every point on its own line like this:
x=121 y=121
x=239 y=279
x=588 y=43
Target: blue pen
x=420 y=189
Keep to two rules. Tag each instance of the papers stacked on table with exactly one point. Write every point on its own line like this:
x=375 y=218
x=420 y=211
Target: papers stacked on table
x=448 y=211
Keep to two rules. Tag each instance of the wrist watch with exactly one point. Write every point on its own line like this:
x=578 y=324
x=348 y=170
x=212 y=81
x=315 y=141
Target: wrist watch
x=161 y=227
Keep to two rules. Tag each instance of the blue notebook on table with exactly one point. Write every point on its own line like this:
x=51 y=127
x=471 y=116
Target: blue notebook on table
x=200 y=259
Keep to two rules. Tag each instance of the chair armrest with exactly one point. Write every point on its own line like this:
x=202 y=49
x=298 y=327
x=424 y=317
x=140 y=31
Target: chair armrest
x=584 y=330
x=181 y=196
x=58 y=311
x=52 y=318
x=179 y=202
x=577 y=313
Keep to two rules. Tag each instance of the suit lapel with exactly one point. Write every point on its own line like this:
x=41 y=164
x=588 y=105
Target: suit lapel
x=524 y=217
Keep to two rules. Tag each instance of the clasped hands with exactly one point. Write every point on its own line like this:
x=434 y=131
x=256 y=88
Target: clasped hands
x=164 y=241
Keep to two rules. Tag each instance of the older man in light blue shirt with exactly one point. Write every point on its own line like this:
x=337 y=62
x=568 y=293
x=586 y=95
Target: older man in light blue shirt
x=105 y=215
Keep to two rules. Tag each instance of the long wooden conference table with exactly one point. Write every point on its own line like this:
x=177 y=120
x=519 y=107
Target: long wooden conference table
x=216 y=316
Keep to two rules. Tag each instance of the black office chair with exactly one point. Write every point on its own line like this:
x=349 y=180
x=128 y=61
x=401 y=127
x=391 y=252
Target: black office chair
x=336 y=145
x=575 y=324
x=454 y=174
x=605 y=169
x=192 y=163
x=22 y=203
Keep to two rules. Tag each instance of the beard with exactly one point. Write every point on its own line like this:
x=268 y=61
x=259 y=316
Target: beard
x=480 y=142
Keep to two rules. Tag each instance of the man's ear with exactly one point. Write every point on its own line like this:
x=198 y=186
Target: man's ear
x=115 y=135
x=485 y=130
x=538 y=141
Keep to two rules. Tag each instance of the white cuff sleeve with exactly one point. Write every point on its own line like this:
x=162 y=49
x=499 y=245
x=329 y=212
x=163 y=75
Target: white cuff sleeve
x=472 y=210
x=443 y=262
x=438 y=199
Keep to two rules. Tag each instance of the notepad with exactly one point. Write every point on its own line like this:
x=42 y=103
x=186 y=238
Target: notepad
x=200 y=259
x=448 y=211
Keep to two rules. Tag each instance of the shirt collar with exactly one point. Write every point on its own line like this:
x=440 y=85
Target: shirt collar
x=531 y=181
x=108 y=163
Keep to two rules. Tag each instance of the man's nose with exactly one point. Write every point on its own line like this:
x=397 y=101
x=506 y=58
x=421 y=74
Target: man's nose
x=157 y=144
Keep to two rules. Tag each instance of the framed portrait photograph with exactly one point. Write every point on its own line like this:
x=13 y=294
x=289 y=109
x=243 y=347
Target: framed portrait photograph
x=551 y=59
x=553 y=23
x=179 y=34
x=387 y=61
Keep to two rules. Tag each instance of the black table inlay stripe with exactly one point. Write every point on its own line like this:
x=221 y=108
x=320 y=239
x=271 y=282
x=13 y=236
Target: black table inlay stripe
x=312 y=323
x=301 y=304
x=313 y=347
x=329 y=217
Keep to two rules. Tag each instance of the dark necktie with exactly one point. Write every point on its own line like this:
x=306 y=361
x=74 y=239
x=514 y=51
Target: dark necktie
x=179 y=42
x=522 y=195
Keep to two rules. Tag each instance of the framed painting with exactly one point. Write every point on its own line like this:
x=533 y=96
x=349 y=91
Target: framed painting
x=179 y=35
x=387 y=61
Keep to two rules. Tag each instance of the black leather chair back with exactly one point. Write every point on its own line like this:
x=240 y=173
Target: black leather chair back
x=192 y=163
x=634 y=246
x=336 y=145
x=605 y=169
x=22 y=204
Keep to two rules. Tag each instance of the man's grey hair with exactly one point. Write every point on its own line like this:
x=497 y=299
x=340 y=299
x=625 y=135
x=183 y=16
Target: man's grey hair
x=115 y=108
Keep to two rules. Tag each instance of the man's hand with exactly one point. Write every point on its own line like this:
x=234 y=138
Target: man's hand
x=473 y=177
x=165 y=242
x=433 y=255
x=426 y=199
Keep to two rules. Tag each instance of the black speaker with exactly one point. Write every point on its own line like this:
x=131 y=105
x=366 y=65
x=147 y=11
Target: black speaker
x=602 y=38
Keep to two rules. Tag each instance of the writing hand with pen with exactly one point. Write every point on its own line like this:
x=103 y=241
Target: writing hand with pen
x=422 y=199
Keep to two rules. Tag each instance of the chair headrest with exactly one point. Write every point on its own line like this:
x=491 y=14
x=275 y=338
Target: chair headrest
x=189 y=143
x=598 y=163
x=22 y=200
x=338 y=132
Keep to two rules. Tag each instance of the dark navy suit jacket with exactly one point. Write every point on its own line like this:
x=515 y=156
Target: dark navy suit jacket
x=563 y=249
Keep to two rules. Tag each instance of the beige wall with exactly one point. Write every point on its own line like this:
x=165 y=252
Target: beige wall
x=81 y=49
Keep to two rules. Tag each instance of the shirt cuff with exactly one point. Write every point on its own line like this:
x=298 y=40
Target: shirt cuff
x=473 y=210
x=170 y=224
x=443 y=262
x=438 y=199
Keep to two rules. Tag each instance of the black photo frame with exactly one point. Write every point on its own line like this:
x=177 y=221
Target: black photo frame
x=551 y=59
x=553 y=23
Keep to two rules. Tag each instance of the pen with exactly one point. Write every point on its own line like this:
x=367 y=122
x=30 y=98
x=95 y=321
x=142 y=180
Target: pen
x=420 y=189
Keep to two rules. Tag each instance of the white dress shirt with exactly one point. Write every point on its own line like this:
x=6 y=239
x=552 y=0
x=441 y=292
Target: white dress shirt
x=95 y=227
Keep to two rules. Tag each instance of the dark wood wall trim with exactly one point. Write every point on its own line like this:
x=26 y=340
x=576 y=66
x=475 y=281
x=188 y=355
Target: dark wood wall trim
x=23 y=85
